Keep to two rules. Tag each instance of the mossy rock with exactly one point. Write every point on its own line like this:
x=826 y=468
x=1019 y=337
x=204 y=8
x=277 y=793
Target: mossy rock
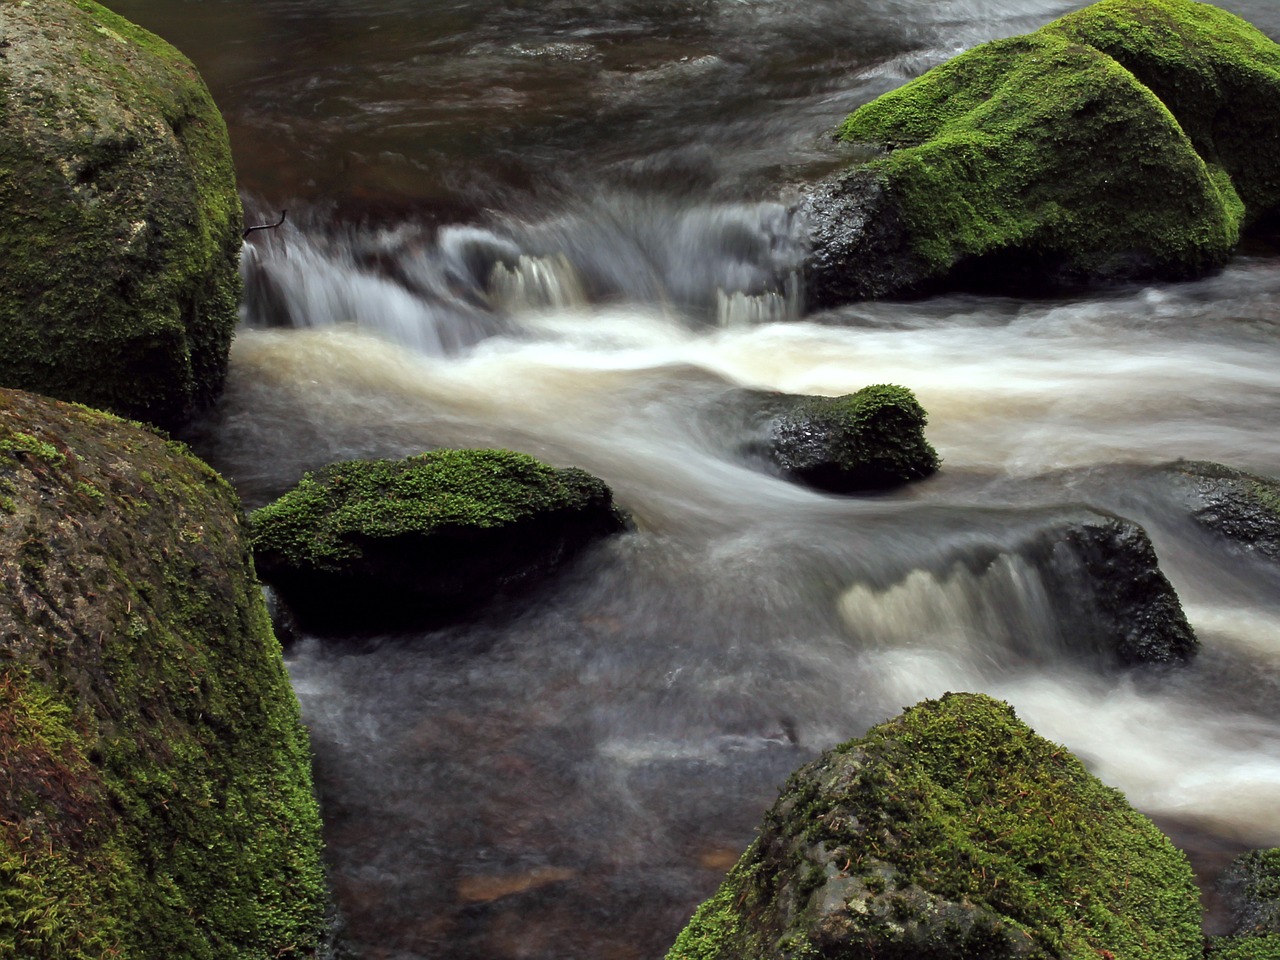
x=867 y=440
x=1218 y=75
x=1242 y=507
x=952 y=831
x=370 y=544
x=1251 y=886
x=121 y=235
x=1100 y=148
x=155 y=795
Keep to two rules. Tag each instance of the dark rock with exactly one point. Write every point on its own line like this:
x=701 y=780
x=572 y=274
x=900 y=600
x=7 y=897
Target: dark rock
x=851 y=219
x=868 y=440
x=1251 y=886
x=1106 y=581
x=375 y=544
x=1041 y=161
x=121 y=222
x=1239 y=506
x=155 y=792
x=952 y=831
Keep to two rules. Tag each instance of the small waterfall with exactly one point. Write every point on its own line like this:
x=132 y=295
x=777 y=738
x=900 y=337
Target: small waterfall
x=975 y=615
x=395 y=286
x=739 y=309
x=537 y=283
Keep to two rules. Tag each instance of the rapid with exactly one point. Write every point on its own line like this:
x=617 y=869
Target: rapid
x=563 y=228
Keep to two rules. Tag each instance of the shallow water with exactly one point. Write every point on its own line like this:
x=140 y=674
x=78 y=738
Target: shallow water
x=563 y=228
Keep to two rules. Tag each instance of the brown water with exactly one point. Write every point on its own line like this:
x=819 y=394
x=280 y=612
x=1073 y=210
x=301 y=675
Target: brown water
x=562 y=228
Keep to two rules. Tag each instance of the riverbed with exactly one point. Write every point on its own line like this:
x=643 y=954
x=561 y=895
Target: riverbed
x=564 y=228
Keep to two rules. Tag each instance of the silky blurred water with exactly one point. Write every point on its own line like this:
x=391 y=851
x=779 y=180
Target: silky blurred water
x=564 y=228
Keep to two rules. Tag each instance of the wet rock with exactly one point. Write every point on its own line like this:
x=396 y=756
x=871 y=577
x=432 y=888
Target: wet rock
x=155 y=793
x=868 y=440
x=1240 y=506
x=365 y=545
x=1251 y=886
x=1106 y=581
x=951 y=831
x=1053 y=159
x=121 y=222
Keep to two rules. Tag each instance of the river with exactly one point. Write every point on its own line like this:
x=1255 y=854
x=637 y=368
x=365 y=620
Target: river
x=562 y=227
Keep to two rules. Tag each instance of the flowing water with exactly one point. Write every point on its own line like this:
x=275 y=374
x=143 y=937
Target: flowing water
x=563 y=228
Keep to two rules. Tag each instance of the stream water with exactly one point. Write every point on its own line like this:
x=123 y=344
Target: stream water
x=562 y=228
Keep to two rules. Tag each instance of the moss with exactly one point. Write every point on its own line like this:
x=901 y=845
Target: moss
x=378 y=544
x=1251 y=885
x=1244 y=948
x=864 y=440
x=123 y=234
x=1039 y=153
x=987 y=841
x=17 y=442
x=330 y=514
x=1217 y=74
x=156 y=797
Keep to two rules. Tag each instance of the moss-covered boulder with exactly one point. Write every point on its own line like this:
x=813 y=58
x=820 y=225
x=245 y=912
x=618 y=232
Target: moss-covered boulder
x=368 y=544
x=1131 y=140
x=119 y=219
x=867 y=440
x=952 y=831
x=155 y=792
x=1242 y=507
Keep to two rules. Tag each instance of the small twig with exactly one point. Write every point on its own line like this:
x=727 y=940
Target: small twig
x=264 y=226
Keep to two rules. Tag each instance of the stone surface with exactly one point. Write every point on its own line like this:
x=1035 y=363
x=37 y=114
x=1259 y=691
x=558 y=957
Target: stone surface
x=1104 y=147
x=1240 y=506
x=371 y=544
x=867 y=440
x=119 y=218
x=1106 y=581
x=952 y=831
x=155 y=793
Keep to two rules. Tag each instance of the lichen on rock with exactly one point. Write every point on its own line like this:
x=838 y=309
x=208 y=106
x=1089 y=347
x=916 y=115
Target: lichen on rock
x=373 y=543
x=155 y=795
x=121 y=233
x=1099 y=148
x=951 y=831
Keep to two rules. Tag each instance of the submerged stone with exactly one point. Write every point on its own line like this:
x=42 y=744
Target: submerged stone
x=952 y=831
x=867 y=440
x=366 y=544
x=155 y=790
x=1097 y=149
x=1240 y=506
x=121 y=222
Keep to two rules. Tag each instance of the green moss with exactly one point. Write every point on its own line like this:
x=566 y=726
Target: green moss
x=1049 y=148
x=868 y=439
x=1217 y=74
x=323 y=521
x=123 y=233
x=18 y=442
x=714 y=924
x=987 y=841
x=1244 y=948
x=156 y=797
